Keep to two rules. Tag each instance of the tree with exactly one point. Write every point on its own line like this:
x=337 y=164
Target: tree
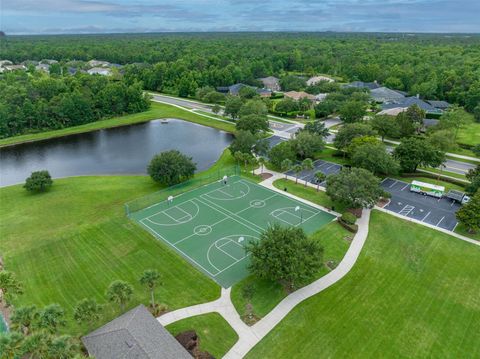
x=252 y=123
x=119 y=292
x=286 y=165
x=171 y=167
x=348 y=132
x=354 y=187
x=416 y=115
x=87 y=311
x=216 y=109
x=297 y=169
x=37 y=345
x=317 y=127
x=473 y=176
x=38 y=181
x=52 y=317
x=11 y=345
x=319 y=178
x=232 y=106
x=262 y=161
x=404 y=125
x=150 y=279
x=247 y=92
x=375 y=158
x=414 y=151
x=286 y=106
x=386 y=126
x=307 y=164
x=360 y=141
x=253 y=107
x=281 y=152
x=292 y=83
x=285 y=255
x=9 y=286
x=261 y=147
x=454 y=118
x=306 y=144
x=352 y=111
x=244 y=142
x=476 y=113
x=63 y=347
x=469 y=214
x=24 y=318
x=442 y=140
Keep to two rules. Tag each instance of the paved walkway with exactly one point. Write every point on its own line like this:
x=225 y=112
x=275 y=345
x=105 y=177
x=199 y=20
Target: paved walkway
x=250 y=336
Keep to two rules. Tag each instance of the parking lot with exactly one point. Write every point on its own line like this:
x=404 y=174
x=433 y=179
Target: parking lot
x=439 y=212
x=325 y=167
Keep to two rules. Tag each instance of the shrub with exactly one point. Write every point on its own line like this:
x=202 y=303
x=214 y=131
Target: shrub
x=348 y=218
x=38 y=181
x=171 y=167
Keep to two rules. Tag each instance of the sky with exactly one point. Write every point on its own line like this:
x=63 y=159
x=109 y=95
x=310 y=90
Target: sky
x=107 y=16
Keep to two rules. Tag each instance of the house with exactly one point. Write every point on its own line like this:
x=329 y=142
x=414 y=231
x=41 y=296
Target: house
x=363 y=85
x=234 y=90
x=297 y=95
x=72 y=70
x=270 y=83
x=14 y=67
x=135 y=334
x=43 y=67
x=406 y=102
x=5 y=62
x=97 y=63
x=441 y=105
x=316 y=79
x=100 y=71
x=392 y=111
x=384 y=94
x=264 y=92
x=320 y=97
x=430 y=122
x=49 y=61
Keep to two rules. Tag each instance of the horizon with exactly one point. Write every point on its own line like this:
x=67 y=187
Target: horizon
x=56 y=17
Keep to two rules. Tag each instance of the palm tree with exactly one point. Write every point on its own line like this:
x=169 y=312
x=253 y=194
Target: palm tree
x=319 y=177
x=119 y=292
x=9 y=285
x=261 y=162
x=37 y=345
x=297 y=169
x=150 y=278
x=87 y=311
x=286 y=165
x=307 y=164
x=24 y=318
x=11 y=345
x=52 y=317
x=63 y=347
x=252 y=161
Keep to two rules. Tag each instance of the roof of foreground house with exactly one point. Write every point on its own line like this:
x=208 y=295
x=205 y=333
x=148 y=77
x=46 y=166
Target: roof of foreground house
x=384 y=94
x=409 y=101
x=134 y=335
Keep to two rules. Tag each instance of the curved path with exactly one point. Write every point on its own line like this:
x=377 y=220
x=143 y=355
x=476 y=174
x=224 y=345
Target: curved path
x=250 y=336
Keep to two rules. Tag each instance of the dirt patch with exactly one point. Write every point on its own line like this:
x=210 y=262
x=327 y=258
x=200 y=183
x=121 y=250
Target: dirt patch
x=250 y=318
x=265 y=175
x=191 y=342
x=348 y=239
x=331 y=264
x=382 y=202
x=357 y=212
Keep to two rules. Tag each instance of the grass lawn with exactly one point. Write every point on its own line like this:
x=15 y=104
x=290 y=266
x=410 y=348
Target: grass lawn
x=268 y=294
x=158 y=110
x=443 y=172
x=461 y=229
x=328 y=155
x=308 y=193
x=71 y=242
x=470 y=134
x=448 y=186
x=412 y=294
x=216 y=335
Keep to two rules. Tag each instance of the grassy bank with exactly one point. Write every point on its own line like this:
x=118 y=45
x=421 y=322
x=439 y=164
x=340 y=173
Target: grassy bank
x=413 y=293
x=158 y=110
x=72 y=241
x=216 y=335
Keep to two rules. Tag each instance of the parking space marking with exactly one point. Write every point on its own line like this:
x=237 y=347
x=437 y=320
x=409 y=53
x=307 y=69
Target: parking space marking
x=408 y=184
x=440 y=221
x=424 y=218
x=405 y=211
x=393 y=184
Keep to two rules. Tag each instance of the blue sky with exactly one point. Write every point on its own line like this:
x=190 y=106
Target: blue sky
x=100 y=16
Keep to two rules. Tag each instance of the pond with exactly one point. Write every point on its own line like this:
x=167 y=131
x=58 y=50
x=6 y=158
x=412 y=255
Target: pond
x=121 y=150
x=3 y=325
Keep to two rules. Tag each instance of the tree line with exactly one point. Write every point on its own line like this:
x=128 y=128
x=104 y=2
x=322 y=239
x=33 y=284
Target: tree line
x=34 y=102
x=434 y=66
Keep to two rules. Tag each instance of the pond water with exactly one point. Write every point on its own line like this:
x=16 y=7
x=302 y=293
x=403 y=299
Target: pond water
x=3 y=325
x=121 y=150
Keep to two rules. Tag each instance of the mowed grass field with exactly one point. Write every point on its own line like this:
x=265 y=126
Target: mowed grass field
x=413 y=293
x=216 y=335
x=70 y=243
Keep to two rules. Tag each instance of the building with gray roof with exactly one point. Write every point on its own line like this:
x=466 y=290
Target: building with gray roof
x=134 y=335
x=365 y=85
x=409 y=101
x=384 y=94
x=442 y=105
x=271 y=83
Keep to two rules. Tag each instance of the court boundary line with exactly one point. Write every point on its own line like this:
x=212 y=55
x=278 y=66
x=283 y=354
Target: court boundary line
x=176 y=206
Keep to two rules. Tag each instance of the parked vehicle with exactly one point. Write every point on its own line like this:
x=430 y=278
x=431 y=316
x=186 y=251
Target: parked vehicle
x=427 y=189
x=458 y=196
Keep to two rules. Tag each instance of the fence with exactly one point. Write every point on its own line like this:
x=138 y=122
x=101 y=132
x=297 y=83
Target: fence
x=197 y=181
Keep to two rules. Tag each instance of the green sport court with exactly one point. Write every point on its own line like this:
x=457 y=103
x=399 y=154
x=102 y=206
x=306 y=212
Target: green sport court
x=211 y=225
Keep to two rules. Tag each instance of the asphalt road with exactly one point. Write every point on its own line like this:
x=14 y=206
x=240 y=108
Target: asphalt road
x=286 y=130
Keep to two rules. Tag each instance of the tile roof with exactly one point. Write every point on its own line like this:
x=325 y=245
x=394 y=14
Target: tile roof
x=384 y=94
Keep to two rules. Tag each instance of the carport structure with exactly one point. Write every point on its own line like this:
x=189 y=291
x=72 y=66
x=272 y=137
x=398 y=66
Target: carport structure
x=439 y=212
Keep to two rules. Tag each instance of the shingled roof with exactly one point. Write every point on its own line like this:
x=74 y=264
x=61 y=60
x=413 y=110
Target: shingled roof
x=134 y=335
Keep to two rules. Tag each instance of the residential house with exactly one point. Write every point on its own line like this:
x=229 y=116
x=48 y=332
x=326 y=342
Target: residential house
x=234 y=90
x=264 y=92
x=49 y=61
x=316 y=79
x=392 y=111
x=271 y=83
x=14 y=67
x=441 y=105
x=98 y=63
x=406 y=102
x=384 y=94
x=100 y=71
x=135 y=334
x=320 y=97
x=43 y=67
x=365 y=85
x=297 y=95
